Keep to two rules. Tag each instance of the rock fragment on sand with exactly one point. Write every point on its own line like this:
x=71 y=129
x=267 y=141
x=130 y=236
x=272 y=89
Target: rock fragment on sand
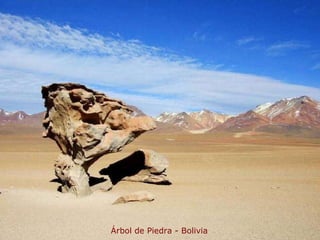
x=140 y=196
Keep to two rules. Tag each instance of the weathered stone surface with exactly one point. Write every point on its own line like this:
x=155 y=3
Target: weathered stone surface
x=146 y=177
x=154 y=171
x=140 y=196
x=86 y=124
x=155 y=162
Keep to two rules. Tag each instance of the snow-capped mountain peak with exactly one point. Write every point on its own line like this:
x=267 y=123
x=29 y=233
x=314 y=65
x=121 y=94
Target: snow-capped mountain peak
x=6 y=116
x=202 y=120
x=272 y=110
x=261 y=109
x=165 y=117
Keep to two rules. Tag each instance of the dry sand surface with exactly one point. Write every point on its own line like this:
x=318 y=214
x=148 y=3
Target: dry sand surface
x=251 y=187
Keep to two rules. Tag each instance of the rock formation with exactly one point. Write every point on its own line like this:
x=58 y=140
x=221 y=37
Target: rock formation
x=86 y=125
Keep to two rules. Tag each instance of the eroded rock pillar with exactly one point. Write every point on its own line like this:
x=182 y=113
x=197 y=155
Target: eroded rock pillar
x=86 y=125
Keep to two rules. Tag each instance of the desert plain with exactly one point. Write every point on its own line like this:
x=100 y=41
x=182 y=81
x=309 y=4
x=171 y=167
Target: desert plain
x=225 y=187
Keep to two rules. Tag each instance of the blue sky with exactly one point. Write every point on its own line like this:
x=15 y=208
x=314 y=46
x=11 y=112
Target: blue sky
x=225 y=56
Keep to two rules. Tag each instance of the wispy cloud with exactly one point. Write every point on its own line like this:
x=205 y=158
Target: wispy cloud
x=316 y=66
x=44 y=35
x=202 y=33
x=35 y=53
x=282 y=48
x=199 y=36
x=248 y=40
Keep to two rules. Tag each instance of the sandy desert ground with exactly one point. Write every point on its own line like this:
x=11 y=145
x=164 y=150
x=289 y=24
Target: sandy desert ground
x=248 y=187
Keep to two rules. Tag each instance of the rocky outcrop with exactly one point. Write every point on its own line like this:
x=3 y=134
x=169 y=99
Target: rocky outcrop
x=86 y=125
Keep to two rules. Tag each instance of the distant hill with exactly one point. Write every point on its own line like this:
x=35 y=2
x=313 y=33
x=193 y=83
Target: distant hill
x=295 y=116
x=302 y=111
x=21 y=118
x=243 y=122
x=20 y=122
x=6 y=117
x=194 y=121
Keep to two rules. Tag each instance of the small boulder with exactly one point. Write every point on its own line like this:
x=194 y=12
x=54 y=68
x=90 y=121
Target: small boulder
x=140 y=196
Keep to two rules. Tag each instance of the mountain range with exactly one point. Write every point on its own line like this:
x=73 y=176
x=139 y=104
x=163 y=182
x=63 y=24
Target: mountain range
x=299 y=115
x=200 y=122
x=11 y=122
x=301 y=112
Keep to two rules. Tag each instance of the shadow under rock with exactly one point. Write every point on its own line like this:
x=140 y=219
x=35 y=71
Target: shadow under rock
x=125 y=167
x=95 y=180
x=92 y=181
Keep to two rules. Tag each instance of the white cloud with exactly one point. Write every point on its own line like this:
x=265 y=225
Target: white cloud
x=247 y=40
x=282 y=48
x=35 y=53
